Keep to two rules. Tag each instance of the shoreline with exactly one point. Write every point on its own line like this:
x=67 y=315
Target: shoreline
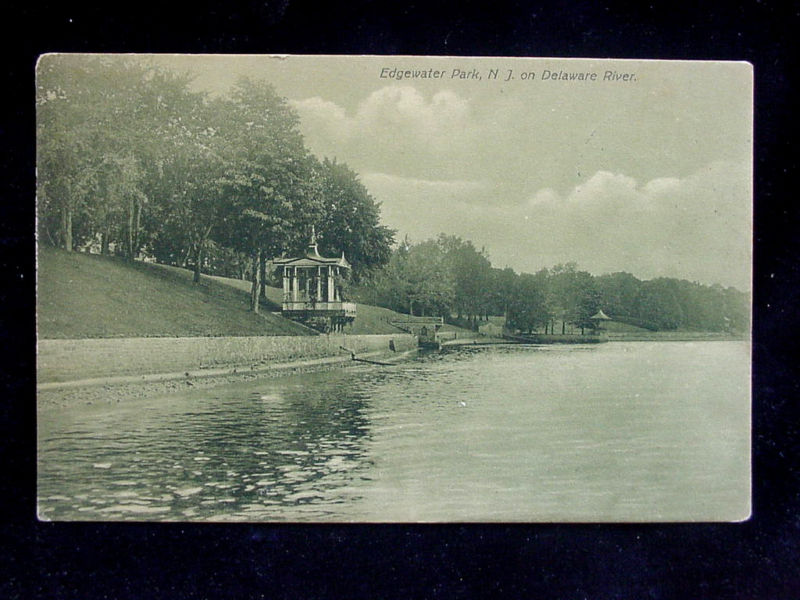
x=99 y=361
x=475 y=341
x=680 y=336
x=112 y=390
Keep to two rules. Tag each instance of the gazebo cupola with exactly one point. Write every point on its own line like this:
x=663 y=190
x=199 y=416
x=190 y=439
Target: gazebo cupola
x=312 y=288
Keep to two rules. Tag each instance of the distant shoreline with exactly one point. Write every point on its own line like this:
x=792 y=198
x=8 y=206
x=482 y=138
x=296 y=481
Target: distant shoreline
x=676 y=336
x=567 y=338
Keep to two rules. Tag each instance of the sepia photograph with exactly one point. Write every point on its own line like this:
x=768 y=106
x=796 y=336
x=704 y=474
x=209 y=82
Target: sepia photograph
x=404 y=289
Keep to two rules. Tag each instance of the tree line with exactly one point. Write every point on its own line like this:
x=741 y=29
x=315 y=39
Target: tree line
x=451 y=278
x=132 y=161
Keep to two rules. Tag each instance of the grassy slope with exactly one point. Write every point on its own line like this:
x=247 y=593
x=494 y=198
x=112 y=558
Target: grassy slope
x=369 y=319
x=90 y=296
x=617 y=327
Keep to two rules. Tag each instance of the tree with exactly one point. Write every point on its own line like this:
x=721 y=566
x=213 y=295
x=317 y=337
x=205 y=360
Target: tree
x=100 y=126
x=617 y=293
x=387 y=286
x=736 y=309
x=502 y=288
x=584 y=300
x=658 y=304
x=431 y=287
x=416 y=280
x=470 y=271
x=192 y=187
x=67 y=162
x=350 y=220
x=572 y=296
x=272 y=193
x=527 y=308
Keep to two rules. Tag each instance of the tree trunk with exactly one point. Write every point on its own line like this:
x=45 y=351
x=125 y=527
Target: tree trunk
x=255 y=290
x=104 y=240
x=200 y=249
x=563 y=327
x=263 y=272
x=129 y=232
x=198 y=261
x=184 y=262
x=66 y=228
x=136 y=227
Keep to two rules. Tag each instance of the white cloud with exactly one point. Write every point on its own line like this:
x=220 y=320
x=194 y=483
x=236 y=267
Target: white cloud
x=662 y=185
x=404 y=109
x=392 y=127
x=323 y=115
x=696 y=227
x=604 y=186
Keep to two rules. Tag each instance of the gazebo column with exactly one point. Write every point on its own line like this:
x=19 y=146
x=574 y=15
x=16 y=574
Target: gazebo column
x=285 y=284
x=331 y=288
x=319 y=284
x=295 y=284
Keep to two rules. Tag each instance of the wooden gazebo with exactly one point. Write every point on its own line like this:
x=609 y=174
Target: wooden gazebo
x=312 y=288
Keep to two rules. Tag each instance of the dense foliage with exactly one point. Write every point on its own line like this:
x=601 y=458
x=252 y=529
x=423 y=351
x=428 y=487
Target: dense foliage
x=449 y=277
x=132 y=161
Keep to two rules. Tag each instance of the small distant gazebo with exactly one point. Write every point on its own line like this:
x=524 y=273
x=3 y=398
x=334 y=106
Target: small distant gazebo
x=598 y=318
x=312 y=287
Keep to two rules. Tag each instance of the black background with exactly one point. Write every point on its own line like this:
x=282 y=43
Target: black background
x=753 y=560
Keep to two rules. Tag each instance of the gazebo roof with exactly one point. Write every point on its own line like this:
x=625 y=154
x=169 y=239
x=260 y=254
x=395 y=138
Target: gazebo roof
x=600 y=316
x=312 y=258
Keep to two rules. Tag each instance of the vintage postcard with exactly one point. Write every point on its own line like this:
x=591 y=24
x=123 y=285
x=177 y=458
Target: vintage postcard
x=393 y=289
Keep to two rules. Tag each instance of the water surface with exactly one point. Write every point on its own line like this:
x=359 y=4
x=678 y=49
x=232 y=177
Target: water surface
x=641 y=431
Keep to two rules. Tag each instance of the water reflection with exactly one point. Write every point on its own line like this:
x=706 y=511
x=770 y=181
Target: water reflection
x=243 y=453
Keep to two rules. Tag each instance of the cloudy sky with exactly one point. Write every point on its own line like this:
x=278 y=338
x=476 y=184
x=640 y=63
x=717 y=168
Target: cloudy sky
x=651 y=175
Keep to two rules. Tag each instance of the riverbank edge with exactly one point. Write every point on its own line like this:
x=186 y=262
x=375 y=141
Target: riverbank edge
x=101 y=358
x=98 y=370
x=475 y=341
x=541 y=340
x=677 y=337
x=112 y=390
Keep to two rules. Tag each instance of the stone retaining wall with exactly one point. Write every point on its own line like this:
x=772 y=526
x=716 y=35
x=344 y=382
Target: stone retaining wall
x=70 y=360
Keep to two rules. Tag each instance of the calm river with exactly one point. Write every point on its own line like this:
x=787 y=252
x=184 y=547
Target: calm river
x=612 y=432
